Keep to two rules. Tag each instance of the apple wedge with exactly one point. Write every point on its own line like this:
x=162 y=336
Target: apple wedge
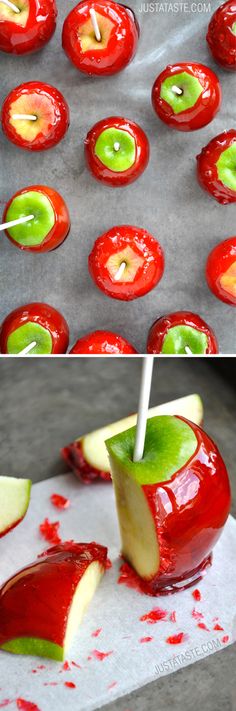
x=43 y=604
x=87 y=456
x=14 y=502
x=172 y=504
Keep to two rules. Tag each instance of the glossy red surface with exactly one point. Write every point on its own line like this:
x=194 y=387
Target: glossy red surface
x=219 y=261
x=99 y=170
x=161 y=326
x=46 y=316
x=144 y=246
x=111 y=55
x=220 y=38
x=55 y=126
x=189 y=511
x=206 y=105
x=207 y=170
x=39 y=28
x=59 y=501
x=74 y=457
x=102 y=342
x=47 y=584
x=59 y=231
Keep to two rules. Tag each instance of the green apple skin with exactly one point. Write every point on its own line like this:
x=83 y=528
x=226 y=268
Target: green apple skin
x=226 y=165
x=178 y=337
x=190 y=86
x=63 y=581
x=119 y=160
x=31 y=331
x=171 y=505
x=14 y=502
x=87 y=456
x=32 y=233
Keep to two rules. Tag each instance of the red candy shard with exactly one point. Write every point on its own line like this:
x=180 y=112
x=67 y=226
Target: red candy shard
x=5 y=702
x=172 y=617
x=154 y=616
x=76 y=665
x=218 y=627
x=197 y=595
x=177 y=638
x=108 y=564
x=197 y=615
x=146 y=639
x=70 y=684
x=202 y=626
x=112 y=684
x=225 y=639
x=100 y=655
x=26 y=705
x=66 y=666
x=60 y=502
x=74 y=457
x=49 y=531
x=96 y=632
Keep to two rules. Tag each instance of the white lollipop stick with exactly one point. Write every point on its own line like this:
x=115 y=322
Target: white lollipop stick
x=144 y=395
x=28 y=348
x=177 y=90
x=13 y=223
x=120 y=271
x=95 y=25
x=24 y=117
x=11 y=5
x=116 y=146
x=188 y=350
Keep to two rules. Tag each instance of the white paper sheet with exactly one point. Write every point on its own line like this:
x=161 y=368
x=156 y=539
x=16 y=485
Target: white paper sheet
x=115 y=609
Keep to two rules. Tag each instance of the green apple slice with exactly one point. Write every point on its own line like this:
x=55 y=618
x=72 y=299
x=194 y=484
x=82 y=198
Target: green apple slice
x=169 y=444
x=29 y=332
x=189 y=87
x=33 y=232
x=180 y=337
x=116 y=149
x=93 y=444
x=226 y=167
x=14 y=501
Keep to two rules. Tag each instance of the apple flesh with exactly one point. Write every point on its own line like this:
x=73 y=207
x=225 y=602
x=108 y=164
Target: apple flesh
x=14 y=498
x=62 y=580
x=88 y=457
x=171 y=505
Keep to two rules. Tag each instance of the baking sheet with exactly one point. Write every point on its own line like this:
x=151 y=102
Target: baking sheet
x=166 y=199
x=112 y=625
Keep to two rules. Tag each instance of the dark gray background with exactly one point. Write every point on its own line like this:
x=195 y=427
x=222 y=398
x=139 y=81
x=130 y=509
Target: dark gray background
x=46 y=403
x=166 y=200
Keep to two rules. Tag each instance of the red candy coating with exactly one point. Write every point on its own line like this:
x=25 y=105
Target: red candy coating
x=207 y=169
x=74 y=457
x=103 y=343
x=221 y=35
x=221 y=271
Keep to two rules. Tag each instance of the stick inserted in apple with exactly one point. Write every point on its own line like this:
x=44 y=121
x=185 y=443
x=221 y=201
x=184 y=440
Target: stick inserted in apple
x=35 y=116
x=182 y=332
x=100 y=37
x=26 y=25
x=36 y=323
x=87 y=456
x=62 y=580
x=172 y=497
x=36 y=219
x=186 y=96
x=116 y=151
x=221 y=271
x=221 y=35
x=14 y=502
x=126 y=262
x=216 y=167
x=102 y=343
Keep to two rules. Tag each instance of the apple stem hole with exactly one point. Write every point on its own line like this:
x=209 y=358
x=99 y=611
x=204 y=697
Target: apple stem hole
x=24 y=117
x=95 y=25
x=11 y=5
x=177 y=90
x=13 y=223
x=28 y=348
x=120 y=271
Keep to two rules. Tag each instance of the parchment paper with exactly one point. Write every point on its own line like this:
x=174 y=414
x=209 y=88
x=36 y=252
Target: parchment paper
x=115 y=610
x=166 y=200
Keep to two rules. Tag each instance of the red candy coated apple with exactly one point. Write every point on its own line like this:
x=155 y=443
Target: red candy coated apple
x=131 y=252
x=36 y=322
x=102 y=342
x=221 y=271
x=177 y=332
x=52 y=209
x=50 y=114
x=119 y=32
x=221 y=35
x=28 y=28
x=216 y=167
x=186 y=96
x=116 y=151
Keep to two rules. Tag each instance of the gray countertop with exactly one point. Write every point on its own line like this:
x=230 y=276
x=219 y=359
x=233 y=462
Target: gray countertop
x=67 y=398
x=166 y=200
